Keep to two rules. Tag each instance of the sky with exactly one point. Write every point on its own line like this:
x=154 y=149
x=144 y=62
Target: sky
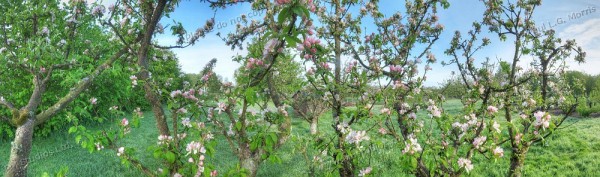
x=575 y=19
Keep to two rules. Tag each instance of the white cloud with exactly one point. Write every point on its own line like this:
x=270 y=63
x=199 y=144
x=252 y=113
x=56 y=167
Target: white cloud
x=587 y=35
x=192 y=59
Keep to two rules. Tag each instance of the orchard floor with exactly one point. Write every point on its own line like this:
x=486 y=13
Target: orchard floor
x=573 y=150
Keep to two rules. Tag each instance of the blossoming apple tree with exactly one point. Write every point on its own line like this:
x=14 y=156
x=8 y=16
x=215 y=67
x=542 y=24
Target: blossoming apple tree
x=525 y=96
x=43 y=42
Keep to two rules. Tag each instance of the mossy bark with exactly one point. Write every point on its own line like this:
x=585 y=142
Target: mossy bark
x=20 y=149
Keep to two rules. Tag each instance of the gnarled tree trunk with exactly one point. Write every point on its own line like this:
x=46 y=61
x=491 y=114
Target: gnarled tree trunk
x=517 y=160
x=153 y=16
x=20 y=149
x=251 y=164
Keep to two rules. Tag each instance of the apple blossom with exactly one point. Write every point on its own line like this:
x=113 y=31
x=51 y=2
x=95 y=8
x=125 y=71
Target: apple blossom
x=496 y=127
x=412 y=145
x=133 y=80
x=498 y=152
x=121 y=151
x=186 y=122
x=365 y=171
x=386 y=111
x=99 y=146
x=124 y=122
x=465 y=163
x=492 y=109
x=477 y=142
x=195 y=147
x=542 y=119
x=355 y=137
x=94 y=101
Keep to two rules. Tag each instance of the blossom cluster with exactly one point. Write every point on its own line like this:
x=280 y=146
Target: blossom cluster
x=412 y=146
x=253 y=63
x=164 y=139
x=310 y=46
x=542 y=119
x=187 y=94
x=465 y=163
x=434 y=111
x=355 y=137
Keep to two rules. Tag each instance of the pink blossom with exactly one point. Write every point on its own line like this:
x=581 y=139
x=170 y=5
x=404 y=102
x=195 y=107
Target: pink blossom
x=492 y=109
x=311 y=41
x=465 y=163
x=431 y=58
x=283 y=111
x=477 y=142
x=124 y=122
x=386 y=111
x=434 y=111
x=396 y=68
x=498 y=152
x=310 y=71
x=213 y=173
x=412 y=146
x=164 y=139
x=412 y=115
x=195 y=147
x=518 y=137
x=206 y=76
x=251 y=63
x=175 y=93
x=45 y=30
x=382 y=131
x=94 y=101
x=186 y=122
x=325 y=65
x=355 y=137
x=542 y=119
x=282 y=2
x=182 y=111
x=270 y=46
x=222 y=107
x=98 y=10
x=300 y=47
x=365 y=171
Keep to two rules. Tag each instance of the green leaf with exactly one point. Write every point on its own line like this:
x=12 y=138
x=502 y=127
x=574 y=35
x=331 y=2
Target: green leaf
x=170 y=157
x=238 y=126
x=505 y=67
x=78 y=139
x=250 y=96
x=283 y=15
x=72 y=129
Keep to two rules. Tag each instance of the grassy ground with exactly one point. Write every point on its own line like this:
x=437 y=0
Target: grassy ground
x=571 y=151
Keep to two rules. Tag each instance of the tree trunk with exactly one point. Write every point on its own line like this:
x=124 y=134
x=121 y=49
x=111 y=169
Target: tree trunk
x=517 y=159
x=314 y=125
x=152 y=96
x=20 y=149
x=251 y=164
x=159 y=113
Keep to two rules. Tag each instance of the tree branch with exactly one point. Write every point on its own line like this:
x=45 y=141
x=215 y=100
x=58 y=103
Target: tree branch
x=74 y=92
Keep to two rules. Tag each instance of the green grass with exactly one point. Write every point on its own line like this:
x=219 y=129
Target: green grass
x=573 y=150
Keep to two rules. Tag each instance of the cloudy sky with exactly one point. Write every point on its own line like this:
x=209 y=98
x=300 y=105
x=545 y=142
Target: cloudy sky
x=576 y=19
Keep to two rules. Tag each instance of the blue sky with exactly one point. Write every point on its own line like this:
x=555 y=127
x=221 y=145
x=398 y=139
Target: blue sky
x=585 y=29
